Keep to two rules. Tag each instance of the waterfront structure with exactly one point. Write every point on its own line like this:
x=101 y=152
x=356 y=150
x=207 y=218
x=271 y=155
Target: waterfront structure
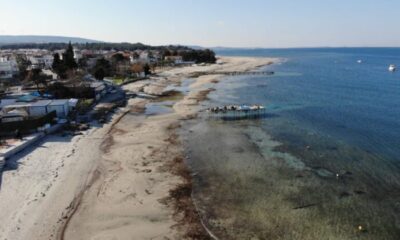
x=235 y=112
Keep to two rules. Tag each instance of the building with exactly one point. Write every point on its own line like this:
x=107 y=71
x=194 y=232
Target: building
x=60 y=106
x=123 y=68
x=8 y=69
x=36 y=109
x=77 y=54
x=45 y=61
x=174 y=59
x=13 y=116
x=50 y=73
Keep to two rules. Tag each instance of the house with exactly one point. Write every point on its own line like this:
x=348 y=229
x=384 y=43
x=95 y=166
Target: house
x=41 y=61
x=123 y=68
x=77 y=54
x=60 y=106
x=8 y=69
x=5 y=102
x=38 y=108
x=174 y=59
x=50 y=73
x=13 y=116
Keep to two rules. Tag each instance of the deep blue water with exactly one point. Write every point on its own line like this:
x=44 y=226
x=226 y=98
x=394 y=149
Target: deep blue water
x=325 y=91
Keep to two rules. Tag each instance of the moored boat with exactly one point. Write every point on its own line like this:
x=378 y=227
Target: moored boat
x=392 y=68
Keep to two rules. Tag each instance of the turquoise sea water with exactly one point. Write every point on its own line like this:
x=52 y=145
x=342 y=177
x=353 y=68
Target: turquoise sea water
x=324 y=164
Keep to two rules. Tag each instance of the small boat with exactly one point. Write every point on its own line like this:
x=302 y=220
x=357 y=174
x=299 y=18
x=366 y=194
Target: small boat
x=392 y=68
x=359 y=61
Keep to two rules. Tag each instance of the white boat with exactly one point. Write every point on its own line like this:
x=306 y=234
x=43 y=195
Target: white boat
x=392 y=68
x=359 y=61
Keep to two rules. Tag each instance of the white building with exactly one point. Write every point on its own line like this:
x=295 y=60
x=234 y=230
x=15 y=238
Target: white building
x=174 y=59
x=45 y=61
x=49 y=72
x=8 y=69
x=39 y=108
x=60 y=106
x=13 y=116
x=77 y=54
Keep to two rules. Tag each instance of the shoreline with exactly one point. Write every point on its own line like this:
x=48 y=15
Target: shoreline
x=137 y=183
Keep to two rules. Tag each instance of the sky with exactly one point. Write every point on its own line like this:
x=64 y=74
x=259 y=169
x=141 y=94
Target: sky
x=210 y=23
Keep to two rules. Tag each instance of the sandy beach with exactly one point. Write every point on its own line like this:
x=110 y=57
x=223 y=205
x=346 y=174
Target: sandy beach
x=124 y=180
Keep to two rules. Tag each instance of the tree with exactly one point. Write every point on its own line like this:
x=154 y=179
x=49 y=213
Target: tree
x=59 y=66
x=56 y=61
x=99 y=74
x=146 y=69
x=67 y=66
x=101 y=69
x=118 y=57
x=118 y=62
x=199 y=56
x=23 y=65
x=35 y=75
x=166 y=53
x=82 y=63
x=68 y=58
x=58 y=90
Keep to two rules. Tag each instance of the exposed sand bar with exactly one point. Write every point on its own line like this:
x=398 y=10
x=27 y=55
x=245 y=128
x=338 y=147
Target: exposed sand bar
x=114 y=182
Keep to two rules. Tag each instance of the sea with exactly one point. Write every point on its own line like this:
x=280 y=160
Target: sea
x=324 y=163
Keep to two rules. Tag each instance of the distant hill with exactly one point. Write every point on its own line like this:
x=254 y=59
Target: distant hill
x=20 y=39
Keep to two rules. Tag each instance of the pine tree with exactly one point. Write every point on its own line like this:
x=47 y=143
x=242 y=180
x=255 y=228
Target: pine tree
x=59 y=66
x=68 y=58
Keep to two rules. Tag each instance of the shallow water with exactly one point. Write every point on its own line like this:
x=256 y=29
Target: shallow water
x=159 y=108
x=322 y=164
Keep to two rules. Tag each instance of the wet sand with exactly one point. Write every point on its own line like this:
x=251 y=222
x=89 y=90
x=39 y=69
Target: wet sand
x=143 y=191
x=125 y=180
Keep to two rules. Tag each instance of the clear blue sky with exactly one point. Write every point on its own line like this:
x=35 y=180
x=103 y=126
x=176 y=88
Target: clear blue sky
x=234 y=23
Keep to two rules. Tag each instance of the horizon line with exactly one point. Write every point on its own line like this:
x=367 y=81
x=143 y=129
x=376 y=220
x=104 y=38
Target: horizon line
x=191 y=45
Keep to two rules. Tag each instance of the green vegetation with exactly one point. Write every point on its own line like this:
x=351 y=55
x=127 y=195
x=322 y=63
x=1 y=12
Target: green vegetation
x=84 y=105
x=146 y=69
x=102 y=69
x=23 y=65
x=67 y=64
x=68 y=58
x=59 y=67
x=35 y=76
x=199 y=56
x=118 y=80
x=188 y=54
